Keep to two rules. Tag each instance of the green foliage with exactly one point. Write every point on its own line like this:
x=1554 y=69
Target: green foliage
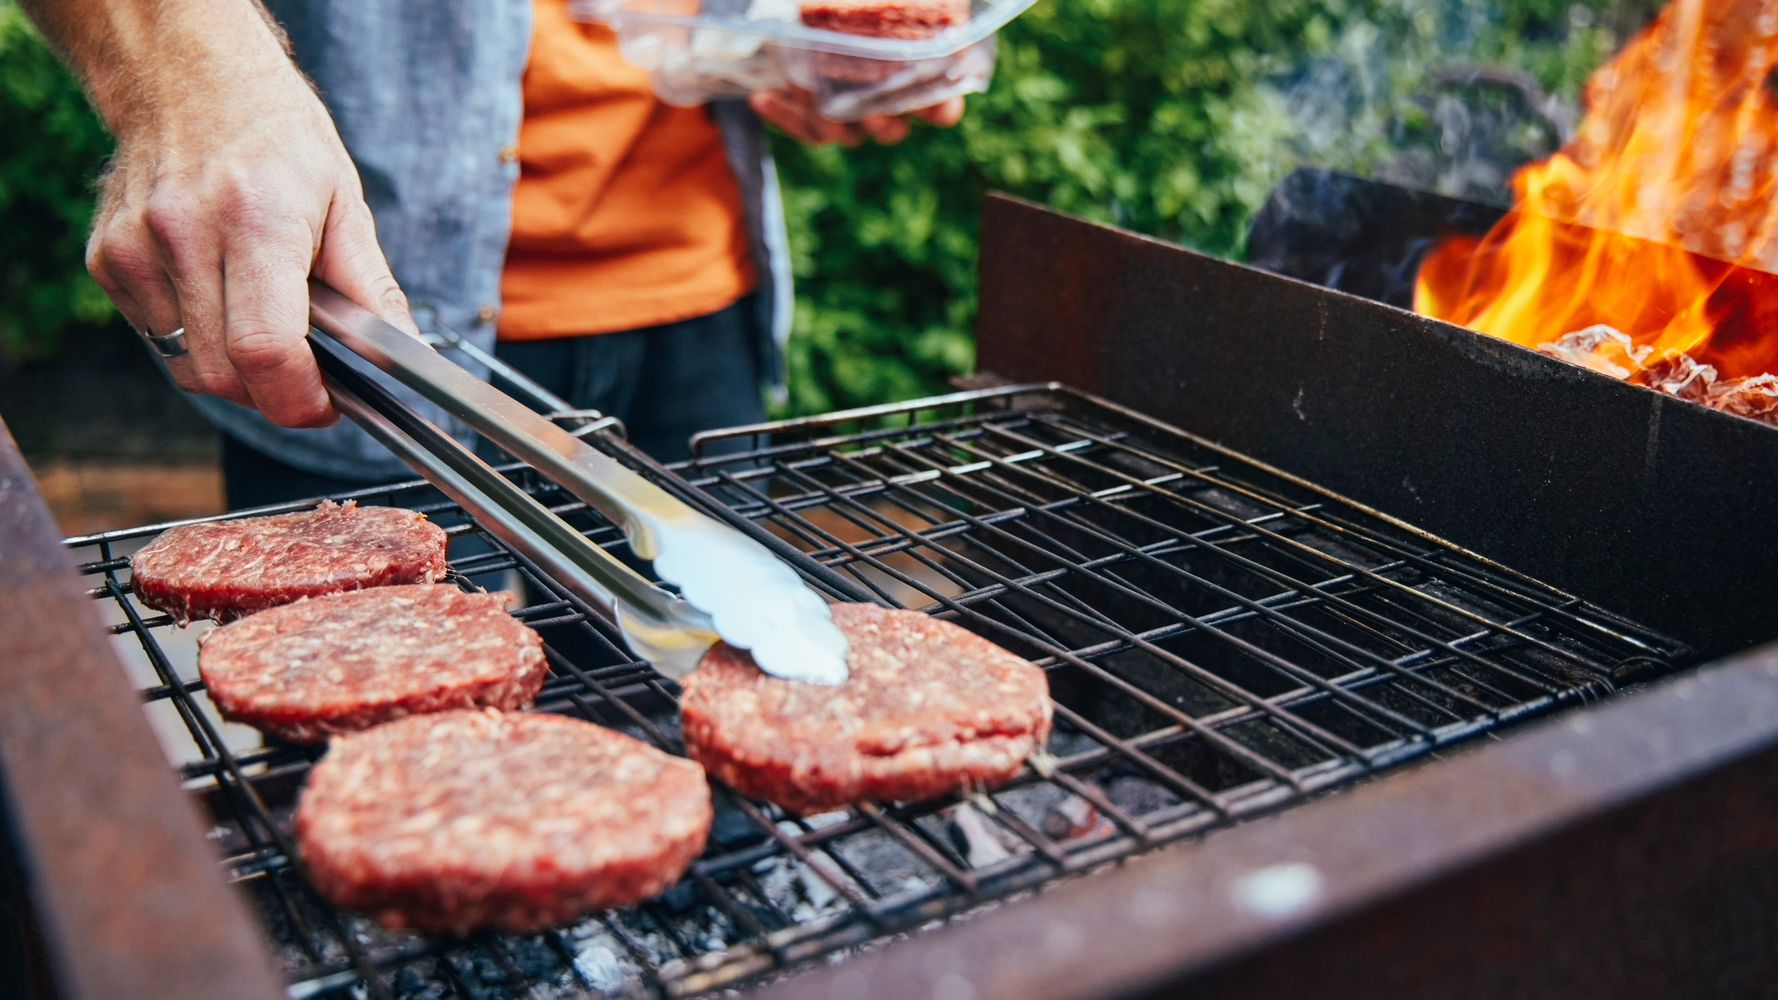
x=1171 y=117
x=54 y=149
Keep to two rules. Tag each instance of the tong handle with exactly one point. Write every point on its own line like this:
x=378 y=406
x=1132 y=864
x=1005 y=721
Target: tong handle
x=660 y=627
x=630 y=501
x=732 y=582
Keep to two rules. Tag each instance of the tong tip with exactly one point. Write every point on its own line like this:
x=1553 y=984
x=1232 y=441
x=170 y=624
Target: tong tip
x=754 y=601
x=813 y=651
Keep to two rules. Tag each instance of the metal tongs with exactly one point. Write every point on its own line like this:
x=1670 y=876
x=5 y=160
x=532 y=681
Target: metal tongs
x=729 y=586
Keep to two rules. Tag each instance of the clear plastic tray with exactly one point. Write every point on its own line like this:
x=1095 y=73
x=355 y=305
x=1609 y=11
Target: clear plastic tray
x=701 y=50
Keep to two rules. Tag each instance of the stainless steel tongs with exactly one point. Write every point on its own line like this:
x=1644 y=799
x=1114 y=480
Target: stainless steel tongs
x=729 y=586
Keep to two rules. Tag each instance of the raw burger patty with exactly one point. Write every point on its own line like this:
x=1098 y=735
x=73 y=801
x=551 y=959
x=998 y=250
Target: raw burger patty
x=930 y=709
x=885 y=18
x=518 y=821
x=344 y=662
x=912 y=19
x=226 y=569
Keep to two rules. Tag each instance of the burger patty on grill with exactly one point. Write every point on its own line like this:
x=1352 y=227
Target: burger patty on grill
x=344 y=662
x=930 y=709
x=518 y=821
x=226 y=569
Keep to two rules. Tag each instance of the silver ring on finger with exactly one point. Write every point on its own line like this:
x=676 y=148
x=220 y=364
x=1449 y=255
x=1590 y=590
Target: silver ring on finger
x=167 y=345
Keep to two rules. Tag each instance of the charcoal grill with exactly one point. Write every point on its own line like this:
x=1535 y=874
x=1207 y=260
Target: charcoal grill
x=1225 y=640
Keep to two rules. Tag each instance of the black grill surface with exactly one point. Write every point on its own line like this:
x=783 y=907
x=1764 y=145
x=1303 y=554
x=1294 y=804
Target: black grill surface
x=1221 y=640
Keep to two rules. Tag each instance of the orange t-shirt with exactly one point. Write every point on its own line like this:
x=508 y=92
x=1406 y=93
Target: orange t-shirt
x=626 y=214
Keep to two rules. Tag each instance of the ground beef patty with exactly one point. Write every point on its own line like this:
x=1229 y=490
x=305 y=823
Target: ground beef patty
x=345 y=662
x=885 y=18
x=517 y=821
x=930 y=709
x=903 y=19
x=226 y=569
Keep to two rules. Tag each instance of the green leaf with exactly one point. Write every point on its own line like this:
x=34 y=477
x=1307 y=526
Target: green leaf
x=1171 y=117
x=48 y=166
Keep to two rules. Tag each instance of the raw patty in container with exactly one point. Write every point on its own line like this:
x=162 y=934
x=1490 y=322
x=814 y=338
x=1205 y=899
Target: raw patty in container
x=930 y=709
x=224 y=570
x=885 y=18
x=345 y=662
x=517 y=821
x=910 y=20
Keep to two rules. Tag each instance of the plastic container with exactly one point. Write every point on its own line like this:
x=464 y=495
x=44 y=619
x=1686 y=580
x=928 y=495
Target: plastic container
x=702 y=50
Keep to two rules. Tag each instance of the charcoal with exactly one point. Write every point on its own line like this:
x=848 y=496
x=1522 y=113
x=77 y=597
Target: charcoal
x=601 y=962
x=1360 y=236
x=1058 y=812
x=1604 y=349
x=411 y=983
x=799 y=891
x=1074 y=817
x=680 y=900
x=979 y=839
x=1138 y=795
x=1680 y=375
x=734 y=829
x=1755 y=397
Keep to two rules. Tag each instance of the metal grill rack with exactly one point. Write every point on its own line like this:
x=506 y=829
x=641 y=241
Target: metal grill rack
x=1221 y=640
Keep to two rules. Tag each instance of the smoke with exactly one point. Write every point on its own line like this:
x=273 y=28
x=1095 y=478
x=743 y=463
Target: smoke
x=1444 y=97
x=1448 y=96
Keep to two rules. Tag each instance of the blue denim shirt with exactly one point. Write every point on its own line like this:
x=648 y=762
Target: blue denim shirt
x=427 y=96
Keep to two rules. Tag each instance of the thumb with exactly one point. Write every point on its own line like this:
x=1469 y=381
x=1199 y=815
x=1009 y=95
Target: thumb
x=351 y=260
x=943 y=114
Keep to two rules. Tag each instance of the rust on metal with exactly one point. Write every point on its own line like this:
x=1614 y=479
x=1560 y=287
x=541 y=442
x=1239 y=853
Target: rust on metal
x=130 y=899
x=1627 y=850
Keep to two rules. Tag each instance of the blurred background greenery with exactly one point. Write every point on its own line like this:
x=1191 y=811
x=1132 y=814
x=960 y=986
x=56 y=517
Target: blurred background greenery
x=1174 y=118
x=52 y=154
x=1171 y=117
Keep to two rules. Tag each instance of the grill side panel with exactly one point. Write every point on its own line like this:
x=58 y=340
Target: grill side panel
x=113 y=861
x=1646 y=504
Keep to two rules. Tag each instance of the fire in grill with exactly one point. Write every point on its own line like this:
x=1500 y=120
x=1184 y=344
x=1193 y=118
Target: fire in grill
x=1644 y=249
x=1222 y=640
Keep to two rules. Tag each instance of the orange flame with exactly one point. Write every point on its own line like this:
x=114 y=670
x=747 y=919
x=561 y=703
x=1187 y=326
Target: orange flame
x=1659 y=219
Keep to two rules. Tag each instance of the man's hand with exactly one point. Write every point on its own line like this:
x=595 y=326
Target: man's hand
x=793 y=112
x=213 y=221
x=229 y=188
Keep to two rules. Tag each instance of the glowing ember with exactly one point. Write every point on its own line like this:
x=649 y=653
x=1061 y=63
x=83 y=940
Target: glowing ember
x=1660 y=220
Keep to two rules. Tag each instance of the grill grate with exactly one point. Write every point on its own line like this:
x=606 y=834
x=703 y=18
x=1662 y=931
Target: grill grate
x=1221 y=641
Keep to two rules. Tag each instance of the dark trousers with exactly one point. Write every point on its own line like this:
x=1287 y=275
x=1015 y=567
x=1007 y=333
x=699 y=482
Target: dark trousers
x=665 y=383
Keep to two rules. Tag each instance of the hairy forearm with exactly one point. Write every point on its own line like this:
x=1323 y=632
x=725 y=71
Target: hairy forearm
x=146 y=63
x=230 y=188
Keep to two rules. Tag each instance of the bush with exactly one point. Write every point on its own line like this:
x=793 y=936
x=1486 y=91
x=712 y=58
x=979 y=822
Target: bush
x=1130 y=111
x=54 y=151
x=1171 y=117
